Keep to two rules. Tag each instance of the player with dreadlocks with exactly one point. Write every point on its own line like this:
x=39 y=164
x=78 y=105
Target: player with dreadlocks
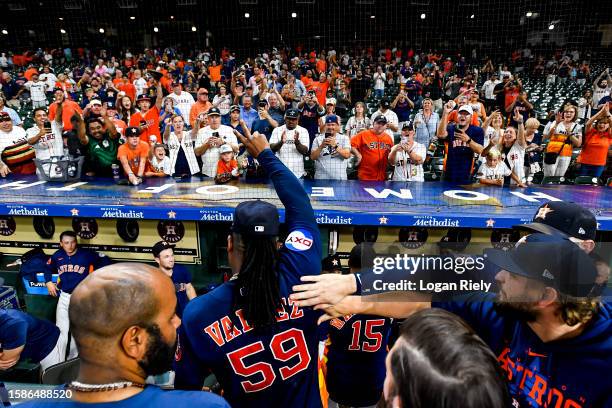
x=260 y=346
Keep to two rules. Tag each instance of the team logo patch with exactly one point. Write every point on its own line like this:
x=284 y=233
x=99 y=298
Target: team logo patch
x=299 y=240
x=86 y=228
x=7 y=226
x=504 y=239
x=413 y=237
x=171 y=231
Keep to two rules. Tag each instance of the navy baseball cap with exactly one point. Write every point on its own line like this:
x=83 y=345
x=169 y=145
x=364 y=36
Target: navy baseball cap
x=408 y=126
x=213 y=111
x=234 y=108
x=331 y=263
x=381 y=119
x=331 y=119
x=551 y=259
x=563 y=219
x=110 y=105
x=292 y=114
x=256 y=218
x=161 y=246
x=132 y=131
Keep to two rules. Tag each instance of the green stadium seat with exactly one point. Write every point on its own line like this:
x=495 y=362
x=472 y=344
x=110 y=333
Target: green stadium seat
x=587 y=181
x=553 y=180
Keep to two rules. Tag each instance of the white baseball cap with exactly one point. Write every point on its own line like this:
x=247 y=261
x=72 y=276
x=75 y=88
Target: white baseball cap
x=225 y=149
x=466 y=108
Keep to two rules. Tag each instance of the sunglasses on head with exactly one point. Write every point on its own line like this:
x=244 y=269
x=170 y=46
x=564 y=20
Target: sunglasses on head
x=7 y=119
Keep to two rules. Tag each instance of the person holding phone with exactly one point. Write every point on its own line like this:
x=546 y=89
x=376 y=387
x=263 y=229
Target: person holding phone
x=210 y=138
x=407 y=156
x=331 y=151
x=46 y=136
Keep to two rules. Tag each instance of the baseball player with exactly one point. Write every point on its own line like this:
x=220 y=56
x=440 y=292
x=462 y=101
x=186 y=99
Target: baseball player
x=163 y=252
x=356 y=344
x=552 y=336
x=72 y=264
x=25 y=337
x=260 y=346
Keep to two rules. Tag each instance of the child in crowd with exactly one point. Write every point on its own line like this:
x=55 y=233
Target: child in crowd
x=493 y=171
x=227 y=166
x=159 y=164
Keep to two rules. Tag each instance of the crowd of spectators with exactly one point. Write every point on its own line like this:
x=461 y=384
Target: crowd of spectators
x=372 y=115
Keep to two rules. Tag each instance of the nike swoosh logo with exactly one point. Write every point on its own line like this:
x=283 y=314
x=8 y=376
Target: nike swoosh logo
x=532 y=354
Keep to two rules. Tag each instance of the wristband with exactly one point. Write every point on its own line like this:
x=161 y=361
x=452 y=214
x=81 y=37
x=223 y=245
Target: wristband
x=358 y=284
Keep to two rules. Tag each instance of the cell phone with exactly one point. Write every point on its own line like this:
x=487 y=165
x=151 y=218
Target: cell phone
x=328 y=135
x=215 y=134
x=47 y=124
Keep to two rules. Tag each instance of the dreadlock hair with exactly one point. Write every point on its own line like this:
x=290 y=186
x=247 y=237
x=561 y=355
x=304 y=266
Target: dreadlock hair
x=259 y=296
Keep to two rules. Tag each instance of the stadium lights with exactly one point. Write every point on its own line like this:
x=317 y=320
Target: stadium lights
x=529 y=14
x=156 y=29
x=551 y=27
x=171 y=17
x=372 y=16
x=423 y=16
x=101 y=31
x=4 y=32
x=247 y=15
x=132 y=17
x=293 y=15
x=61 y=18
x=194 y=29
x=62 y=31
x=472 y=16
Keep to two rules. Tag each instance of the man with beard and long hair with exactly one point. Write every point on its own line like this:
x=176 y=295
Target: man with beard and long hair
x=123 y=320
x=551 y=334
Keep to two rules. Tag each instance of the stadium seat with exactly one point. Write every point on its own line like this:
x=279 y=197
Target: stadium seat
x=553 y=180
x=62 y=373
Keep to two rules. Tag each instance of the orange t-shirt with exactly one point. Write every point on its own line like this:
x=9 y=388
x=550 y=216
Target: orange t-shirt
x=119 y=125
x=223 y=167
x=152 y=119
x=559 y=143
x=68 y=110
x=134 y=156
x=320 y=89
x=452 y=117
x=119 y=81
x=374 y=151
x=129 y=89
x=196 y=109
x=321 y=65
x=29 y=72
x=307 y=82
x=215 y=73
x=595 y=148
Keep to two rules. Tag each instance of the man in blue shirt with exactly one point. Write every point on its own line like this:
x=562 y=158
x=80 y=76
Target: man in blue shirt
x=461 y=141
x=247 y=113
x=550 y=331
x=262 y=349
x=25 y=337
x=124 y=322
x=163 y=252
x=265 y=122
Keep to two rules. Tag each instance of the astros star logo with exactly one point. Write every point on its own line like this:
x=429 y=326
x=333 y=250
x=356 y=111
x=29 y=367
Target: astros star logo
x=543 y=211
x=335 y=262
x=383 y=219
x=74 y=212
x=171 y=214
x=490 y=223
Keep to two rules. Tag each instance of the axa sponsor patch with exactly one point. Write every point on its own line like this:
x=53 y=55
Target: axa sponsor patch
x=299 y=240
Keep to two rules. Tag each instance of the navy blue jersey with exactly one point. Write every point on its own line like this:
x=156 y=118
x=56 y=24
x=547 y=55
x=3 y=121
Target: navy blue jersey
x=459 y=158
x=20 y=329
x=356 y=353
x=150 y=397
x=276 y=366
x=574 y=372
x=73 y=269
x=181 y=277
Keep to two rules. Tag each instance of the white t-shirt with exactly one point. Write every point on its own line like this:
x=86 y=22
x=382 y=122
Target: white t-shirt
x=51 y=144
x=183 y=102
x=354 y=125
x=141 y=85
x=223 y=102
x=330 y=165
x=37 y=90
x=391 y=118
x=163 y=165
x=404 y=168
x=379 y=80
x=599 y=93
x=493 y=173
x=210 y=158
x=488 y=88
x=288 y=153
x=50 y=79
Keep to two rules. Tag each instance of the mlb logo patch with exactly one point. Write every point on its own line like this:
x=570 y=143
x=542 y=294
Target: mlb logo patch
x=259 y=228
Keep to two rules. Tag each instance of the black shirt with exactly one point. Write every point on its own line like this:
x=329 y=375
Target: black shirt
x=359 y=88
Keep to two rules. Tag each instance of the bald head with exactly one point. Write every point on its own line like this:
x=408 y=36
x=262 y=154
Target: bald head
x=116 y=297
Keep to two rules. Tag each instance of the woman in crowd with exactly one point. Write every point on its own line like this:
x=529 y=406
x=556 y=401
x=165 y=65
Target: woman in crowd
x=426 y=122
x=594 y=154
x=168 y=111
x=564 y=135
x=222 y=100
x=125 y=108
x=183 y=161
x=358 y=122
x=477 y=106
